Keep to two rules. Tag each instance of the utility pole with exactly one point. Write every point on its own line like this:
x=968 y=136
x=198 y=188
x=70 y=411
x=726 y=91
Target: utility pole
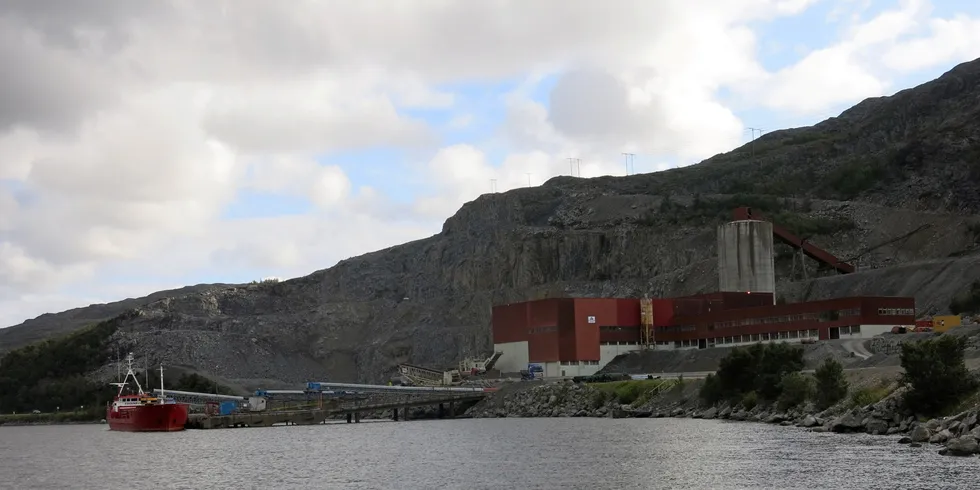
x=571 y=166
x=629 y=162
x=493 y=185
x=753 y=130
x=528 y=178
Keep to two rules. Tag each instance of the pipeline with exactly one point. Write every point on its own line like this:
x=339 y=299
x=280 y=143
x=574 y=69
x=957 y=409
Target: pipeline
x=200 y=395
x=455 y=389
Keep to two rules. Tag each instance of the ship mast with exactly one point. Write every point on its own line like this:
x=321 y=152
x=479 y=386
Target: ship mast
x=129 y=372
x=162 y=394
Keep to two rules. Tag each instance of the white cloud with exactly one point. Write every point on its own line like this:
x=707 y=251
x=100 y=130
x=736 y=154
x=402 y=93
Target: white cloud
x=896 y=41
x=129 y=129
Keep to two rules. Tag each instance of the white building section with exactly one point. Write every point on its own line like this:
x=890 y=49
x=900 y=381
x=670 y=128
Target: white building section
x=864 y=331
x=515 y=356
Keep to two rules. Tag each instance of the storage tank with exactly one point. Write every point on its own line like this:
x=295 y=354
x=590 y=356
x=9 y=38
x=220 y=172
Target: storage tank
x=745 y=257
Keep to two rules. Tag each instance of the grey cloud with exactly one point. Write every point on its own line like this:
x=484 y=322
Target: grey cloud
x=594 y=105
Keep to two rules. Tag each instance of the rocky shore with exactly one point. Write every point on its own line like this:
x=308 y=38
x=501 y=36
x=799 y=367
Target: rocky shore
x=957 y=435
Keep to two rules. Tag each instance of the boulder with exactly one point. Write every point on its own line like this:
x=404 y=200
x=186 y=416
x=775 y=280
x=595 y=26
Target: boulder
x=710 y=413
x=876 y=426
x=940 y=437
x=920 y=434
x=809 y=421
x=905 y=440
x=970 y=421
x=933 y=425
x=725 y=413
x=740 y=415
x=962 y=446
x=848 y=422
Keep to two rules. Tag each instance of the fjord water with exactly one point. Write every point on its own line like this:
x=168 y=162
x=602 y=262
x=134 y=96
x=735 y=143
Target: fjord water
x=495 y=454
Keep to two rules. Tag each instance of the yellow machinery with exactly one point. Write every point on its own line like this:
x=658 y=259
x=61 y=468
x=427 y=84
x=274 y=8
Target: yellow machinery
x=945 y=322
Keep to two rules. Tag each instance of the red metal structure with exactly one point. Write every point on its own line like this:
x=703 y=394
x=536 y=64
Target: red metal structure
x=812 y=251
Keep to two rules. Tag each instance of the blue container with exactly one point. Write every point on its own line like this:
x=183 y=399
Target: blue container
x=227 y=408
x=312 y=386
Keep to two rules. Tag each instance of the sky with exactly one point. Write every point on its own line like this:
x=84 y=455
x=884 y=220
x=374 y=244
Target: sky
x=150 y=145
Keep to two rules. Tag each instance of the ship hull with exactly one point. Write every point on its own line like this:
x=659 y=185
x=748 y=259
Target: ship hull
x=169 y=417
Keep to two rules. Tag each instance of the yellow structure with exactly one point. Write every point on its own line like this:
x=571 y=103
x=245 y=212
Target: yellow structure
x=945 y=322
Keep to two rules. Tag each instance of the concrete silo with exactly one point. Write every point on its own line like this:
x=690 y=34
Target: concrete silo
x=745 y=257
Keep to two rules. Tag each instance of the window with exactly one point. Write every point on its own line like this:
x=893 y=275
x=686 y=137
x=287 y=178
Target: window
x=896 y=311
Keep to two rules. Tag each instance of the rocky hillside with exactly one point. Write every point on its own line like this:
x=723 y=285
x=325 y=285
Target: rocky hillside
x=891 y=182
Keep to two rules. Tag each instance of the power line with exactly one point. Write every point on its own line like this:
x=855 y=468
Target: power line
x=629 y=163
x=752 y=144
x=528 y=178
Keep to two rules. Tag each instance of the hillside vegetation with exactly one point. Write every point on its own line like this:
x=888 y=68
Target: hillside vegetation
x=892 y=184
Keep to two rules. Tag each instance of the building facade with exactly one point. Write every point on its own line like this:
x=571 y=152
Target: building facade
x=578 y=336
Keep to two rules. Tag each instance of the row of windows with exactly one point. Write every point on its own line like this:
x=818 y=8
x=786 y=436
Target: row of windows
x=617 y=329
x=580 y=363
x=542 y=330
x=738 y=339
x=823 y=316
x=896 y=311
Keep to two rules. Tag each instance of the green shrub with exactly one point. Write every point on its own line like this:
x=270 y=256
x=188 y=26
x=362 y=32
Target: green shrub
x=831 y=385
x=759 y=368
x=711 y=392
x=750 y=400
x=795 y=390
x=936 y=374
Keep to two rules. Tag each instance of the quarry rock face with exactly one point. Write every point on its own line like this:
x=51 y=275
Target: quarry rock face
x=903 y=167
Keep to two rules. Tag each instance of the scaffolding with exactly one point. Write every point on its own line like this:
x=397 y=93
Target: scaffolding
x=646 y=323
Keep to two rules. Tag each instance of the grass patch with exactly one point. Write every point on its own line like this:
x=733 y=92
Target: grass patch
x=633 y=392
x=871 y=394
x=53 y=418
x=969 y=402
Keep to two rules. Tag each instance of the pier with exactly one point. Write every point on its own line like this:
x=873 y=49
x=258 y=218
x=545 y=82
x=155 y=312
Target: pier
x=317 y=406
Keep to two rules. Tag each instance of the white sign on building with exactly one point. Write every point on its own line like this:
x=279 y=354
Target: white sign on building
x=591 y=319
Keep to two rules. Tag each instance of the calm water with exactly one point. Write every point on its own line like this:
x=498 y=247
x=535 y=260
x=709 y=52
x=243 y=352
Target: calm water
x=495 y=454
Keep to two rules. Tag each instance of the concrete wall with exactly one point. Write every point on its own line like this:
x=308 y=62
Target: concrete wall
x=609 y=352
x=575 y=368
x=745 y=257
x=514 y=358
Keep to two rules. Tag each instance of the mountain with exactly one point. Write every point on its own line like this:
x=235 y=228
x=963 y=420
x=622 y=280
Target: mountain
x=891 y=183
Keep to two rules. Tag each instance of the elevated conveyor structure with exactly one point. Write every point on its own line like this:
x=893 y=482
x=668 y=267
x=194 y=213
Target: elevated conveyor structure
x=784 y=235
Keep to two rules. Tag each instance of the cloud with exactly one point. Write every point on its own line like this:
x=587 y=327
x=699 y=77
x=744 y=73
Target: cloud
x=872 y=52
x=129 y=129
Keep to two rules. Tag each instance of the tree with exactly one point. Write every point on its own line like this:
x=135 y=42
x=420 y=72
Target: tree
x=775 y=361
x=936 y=374
x=831 y=384
x=794 y=390
x=759 y=369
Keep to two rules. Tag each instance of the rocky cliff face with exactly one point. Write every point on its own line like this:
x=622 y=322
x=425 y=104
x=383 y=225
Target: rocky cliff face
x=887 y=168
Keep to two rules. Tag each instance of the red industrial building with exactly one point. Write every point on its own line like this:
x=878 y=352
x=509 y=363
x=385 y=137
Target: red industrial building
x=577 y=336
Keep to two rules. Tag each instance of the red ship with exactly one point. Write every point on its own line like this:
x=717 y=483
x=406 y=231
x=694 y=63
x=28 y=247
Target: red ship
x=142 y=412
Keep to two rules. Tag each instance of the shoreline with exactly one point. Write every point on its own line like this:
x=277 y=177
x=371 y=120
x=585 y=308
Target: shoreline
x=20 y=423
x=956 y=435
